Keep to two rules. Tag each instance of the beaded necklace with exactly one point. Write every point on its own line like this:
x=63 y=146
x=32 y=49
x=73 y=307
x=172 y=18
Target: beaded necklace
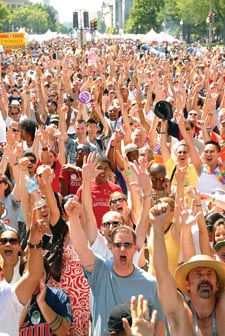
x=218 y=171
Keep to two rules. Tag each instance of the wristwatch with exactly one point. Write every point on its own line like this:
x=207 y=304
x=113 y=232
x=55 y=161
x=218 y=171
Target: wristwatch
x=35 y=246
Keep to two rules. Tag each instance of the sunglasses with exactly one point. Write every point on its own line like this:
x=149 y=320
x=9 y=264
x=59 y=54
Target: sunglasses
x=120 y=200
x=15 y=113
x=114 y=223
x=127 y=245
x=81 y=150
x=156 y=179
x=2 y=181
x=193 y=114
x=32 y=160
x=11 y=241
x=14 y=130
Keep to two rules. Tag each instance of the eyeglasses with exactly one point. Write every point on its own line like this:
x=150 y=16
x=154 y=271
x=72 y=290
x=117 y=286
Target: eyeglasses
x=120 y=200
x=11 y=241
x=127 y=245
x=15 y=113
x=114 y=223
x=182 y=152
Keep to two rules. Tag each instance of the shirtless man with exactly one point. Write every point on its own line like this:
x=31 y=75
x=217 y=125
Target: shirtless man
x=201 y=279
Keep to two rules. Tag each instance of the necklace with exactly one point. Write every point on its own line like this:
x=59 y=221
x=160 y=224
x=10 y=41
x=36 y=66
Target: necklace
x=218 y=171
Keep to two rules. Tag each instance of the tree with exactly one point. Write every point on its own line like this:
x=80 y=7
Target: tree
x=4 y=14
x=143 y=13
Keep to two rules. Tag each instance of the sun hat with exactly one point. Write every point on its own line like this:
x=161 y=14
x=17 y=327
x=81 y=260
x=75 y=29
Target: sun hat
x=131 y=147
x=163 y=110
x=200 y=260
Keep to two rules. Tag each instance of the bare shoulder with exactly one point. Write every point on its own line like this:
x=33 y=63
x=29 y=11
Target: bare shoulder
x=180 y=319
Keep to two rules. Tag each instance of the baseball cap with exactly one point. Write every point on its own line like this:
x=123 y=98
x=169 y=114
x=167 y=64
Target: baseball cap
x=115 y=319
x=54 y=118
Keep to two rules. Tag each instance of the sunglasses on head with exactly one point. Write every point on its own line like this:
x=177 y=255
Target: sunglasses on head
x=127 y=245
x=11 y=241
x=81 y=150
x=114 y=223
x=120 y=200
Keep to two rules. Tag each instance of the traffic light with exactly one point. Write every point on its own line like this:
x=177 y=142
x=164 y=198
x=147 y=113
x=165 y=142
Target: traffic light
x=209 y=18
x=86 y=19
x=94 y=24
x=75 y=19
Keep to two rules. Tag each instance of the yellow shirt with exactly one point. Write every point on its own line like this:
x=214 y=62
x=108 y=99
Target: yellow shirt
x=173 y=252
x=191 y=176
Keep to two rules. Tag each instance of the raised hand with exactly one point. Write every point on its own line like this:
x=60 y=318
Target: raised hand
x=89 y=172
x=141 y=323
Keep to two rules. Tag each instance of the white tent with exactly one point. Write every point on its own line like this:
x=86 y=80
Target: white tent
x=151 y=36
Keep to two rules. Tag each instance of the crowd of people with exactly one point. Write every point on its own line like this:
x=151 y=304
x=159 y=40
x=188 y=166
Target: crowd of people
x=112 y=190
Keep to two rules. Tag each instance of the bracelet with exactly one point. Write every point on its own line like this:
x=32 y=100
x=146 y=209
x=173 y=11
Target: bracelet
x=56 y=323
x=129 y=173
x=210 y=114
x=162 y=132
x=44 y=149
x=146 y=196
x=198 y=205
x=213 y=200
x=34 y=246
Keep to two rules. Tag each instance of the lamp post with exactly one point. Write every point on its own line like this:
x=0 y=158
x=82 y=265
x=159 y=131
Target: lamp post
x=210 y=25
x=139 y=28
x=181 y=29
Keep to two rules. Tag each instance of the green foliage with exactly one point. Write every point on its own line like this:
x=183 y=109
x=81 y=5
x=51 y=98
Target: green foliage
x=4 y=13
x=148 y=14
x=35 y=18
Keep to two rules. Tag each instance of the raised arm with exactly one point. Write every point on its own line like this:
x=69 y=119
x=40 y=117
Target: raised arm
x=166 y=283
x=78 y=237
x=88 y=174
x=27 y=284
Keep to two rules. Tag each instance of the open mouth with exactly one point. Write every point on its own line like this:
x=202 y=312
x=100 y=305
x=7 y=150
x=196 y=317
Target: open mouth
x=8 y=253
x=123 y=259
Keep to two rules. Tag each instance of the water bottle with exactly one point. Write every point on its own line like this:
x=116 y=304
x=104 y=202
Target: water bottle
x=33 y=190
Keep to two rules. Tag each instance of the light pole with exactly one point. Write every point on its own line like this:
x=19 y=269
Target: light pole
x=181 y=29
x=210 y=24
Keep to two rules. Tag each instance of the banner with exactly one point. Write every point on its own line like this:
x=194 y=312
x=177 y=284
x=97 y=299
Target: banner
x=12 y=41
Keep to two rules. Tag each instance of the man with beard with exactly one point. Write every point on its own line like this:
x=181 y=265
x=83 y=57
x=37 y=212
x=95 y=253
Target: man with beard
x=202 y=279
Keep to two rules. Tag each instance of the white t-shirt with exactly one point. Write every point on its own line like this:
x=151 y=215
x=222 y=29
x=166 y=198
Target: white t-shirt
x=11 y=310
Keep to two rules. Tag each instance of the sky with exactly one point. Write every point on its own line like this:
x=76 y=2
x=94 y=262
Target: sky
x=66 y=8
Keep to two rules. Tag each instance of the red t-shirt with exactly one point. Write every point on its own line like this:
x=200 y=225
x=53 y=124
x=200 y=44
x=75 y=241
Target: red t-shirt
x=57 y=170
x=100 y=198
x=72 y=179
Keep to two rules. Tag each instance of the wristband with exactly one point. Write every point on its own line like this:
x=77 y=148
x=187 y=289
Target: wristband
x=129 y=173
x=34 y=246
x=44 y=149
x=213 y=200
x=146 y=196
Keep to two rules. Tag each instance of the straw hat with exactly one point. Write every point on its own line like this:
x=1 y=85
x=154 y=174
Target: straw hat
x=200 y=260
